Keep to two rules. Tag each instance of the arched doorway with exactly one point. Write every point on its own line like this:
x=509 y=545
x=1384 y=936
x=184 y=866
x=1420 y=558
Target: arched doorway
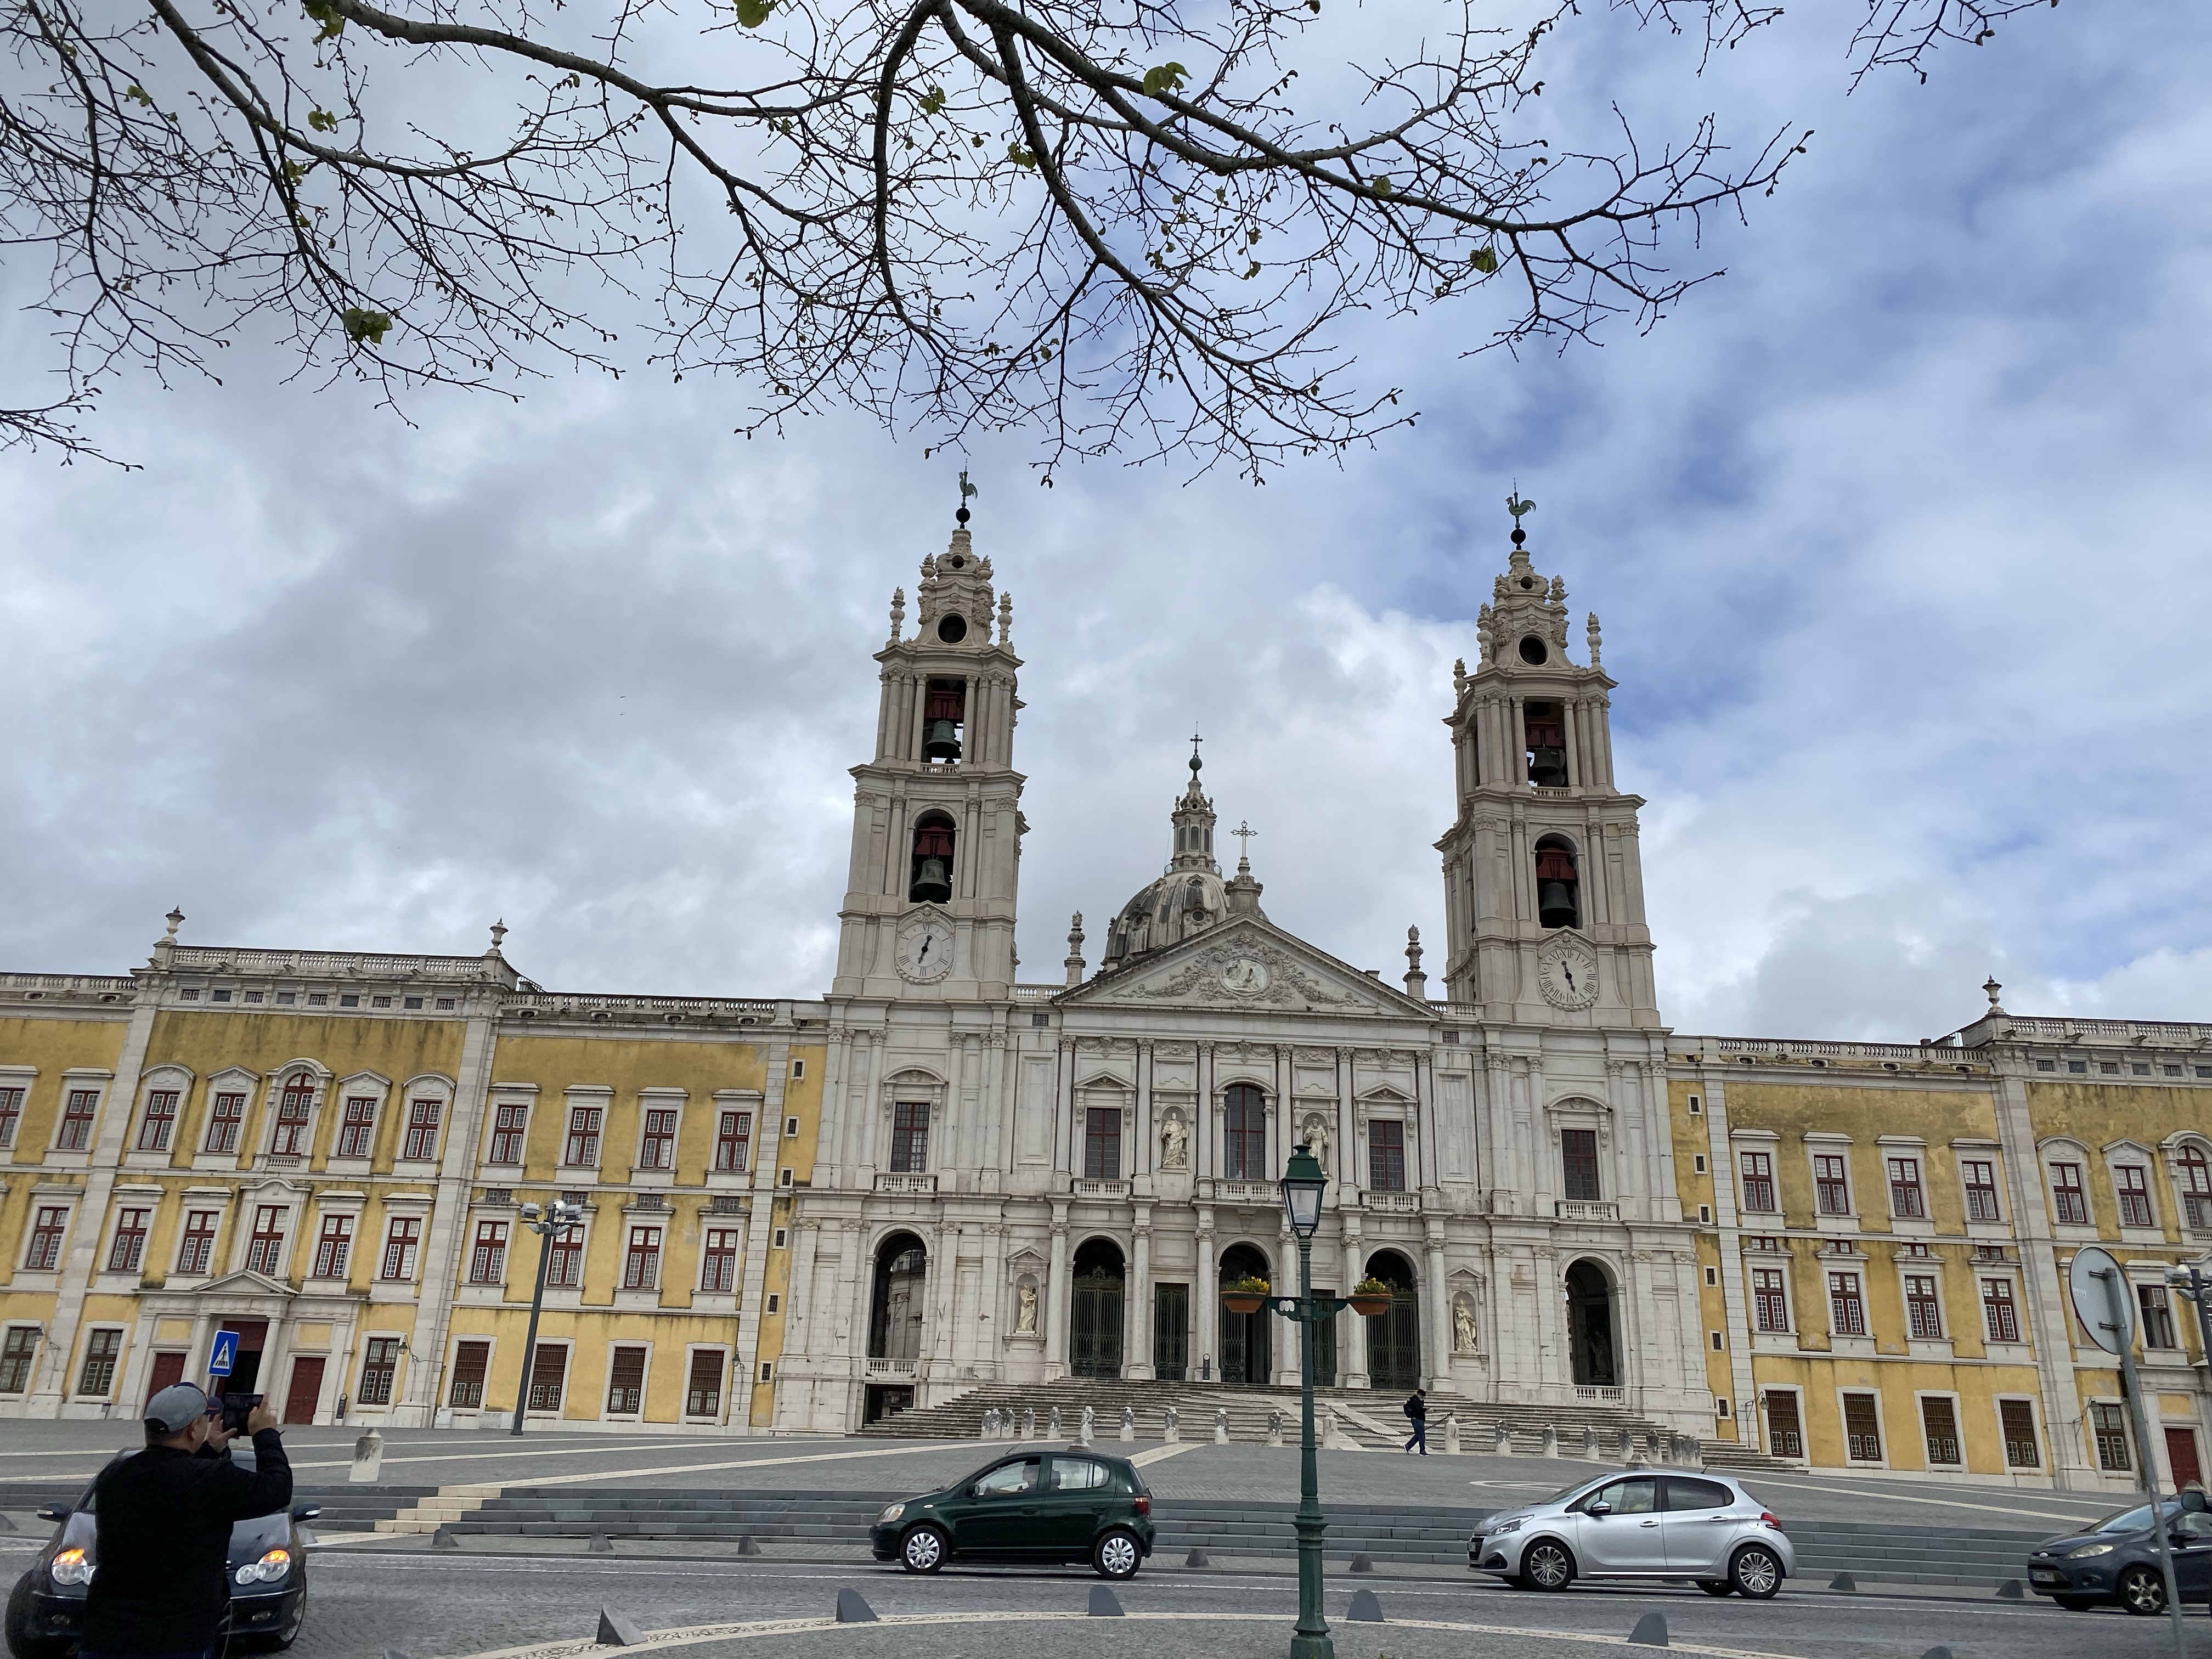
x=1589 y=1326
x=1094 y=1321
x=1247 y=1352
x=1394 y=1336
x=895 y=1319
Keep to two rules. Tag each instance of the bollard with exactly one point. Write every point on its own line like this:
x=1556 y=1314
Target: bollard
x=1842 y=1581
x=1105 y=1604
x=1650 y=1631
x=1090 y=1426
x=1365 y=1609
x=1052 y=1425
x=617 y=1630
x=367 y=1459
x=1221 y=1425
x=1028 y=1422
x=1505 y=1441
x=443 y=1539
x=1128 y=1422
x=1363 y=1564
x=1589 y=1442
x=1451 y=1434
x=749 y=1545
x=1171 y=1427
x=853 y=1610
x=1198 y=1558
x=1550 y=1440
x=1274 y=1427
x=1938 y=1652
x=601 y=1544
x=2012 y=1590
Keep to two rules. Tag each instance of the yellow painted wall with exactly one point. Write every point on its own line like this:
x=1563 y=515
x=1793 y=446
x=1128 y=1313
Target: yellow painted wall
x=1938 y=1116
x=54 y=1045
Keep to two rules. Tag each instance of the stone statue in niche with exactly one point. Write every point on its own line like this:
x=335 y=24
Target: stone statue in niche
x=1315 y=1136
x=1174 y=1145
x=1025 y=1309
x=1463 y=1333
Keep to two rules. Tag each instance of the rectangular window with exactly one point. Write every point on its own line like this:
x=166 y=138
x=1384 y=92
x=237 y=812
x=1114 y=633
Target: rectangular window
x=128 y=1248
x=1757 y=1182
x=1940 y=1420
x=1846 y=1305
x=626 y=1382
x=1770 y=1298
x=641 y=1266
x=2192 y=1172
x=17 y=1350
x=2109 y=1425
x=702 y=1392
x=2157 y=1315
x=44 y=1253
x=357 y=1128
x=1579 y=1164
x=1832 y=1186
x=160 y=1121
x=197 y=1248
x=378 y=1368
x=471 y=1363
x=582 y=1151
x=1981 y=1190
x=1861 y=1428
x=910 y=1136
x=11 y=1119
x=423 y=1129
x=1102 y=1143
x=225 y=1120
x=77 y=1121
x=290 y=1140
x=1906 y=1201
x=733 y=1141
x=508 y=1125
x=2069 y=1203
x=265 y=1250
x=548 y=1371
x=334 y=1248
x=1244 y=1132
x=488 y=1257
x=718 y=1268
x=564 y=1259
x=2134 y=1187
x=1386 y=1155
x=1999 y=1312
x=656 y=1150
x=400 y=1245
x=101 y=1351
x=1785 y=1435
x=1922 y=1316
x=2017 y=1419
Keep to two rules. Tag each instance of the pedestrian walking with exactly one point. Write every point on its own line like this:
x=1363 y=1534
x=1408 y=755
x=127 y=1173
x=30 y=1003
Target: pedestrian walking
x=164 y=1517
x=1417 y=1413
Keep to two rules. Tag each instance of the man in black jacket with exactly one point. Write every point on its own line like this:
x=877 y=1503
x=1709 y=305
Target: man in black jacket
x=1417 y=1412
x=164 y=1516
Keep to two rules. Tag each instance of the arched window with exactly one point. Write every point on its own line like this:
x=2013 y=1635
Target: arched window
x=1545 y=726
x=291 y=1136
x=943 y=714
x=1559 y=886
x=2194 y=1174
x=1243 y=1132
x=930 y=875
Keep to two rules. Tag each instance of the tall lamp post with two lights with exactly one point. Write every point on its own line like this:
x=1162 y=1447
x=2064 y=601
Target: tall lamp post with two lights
x=559 y=1217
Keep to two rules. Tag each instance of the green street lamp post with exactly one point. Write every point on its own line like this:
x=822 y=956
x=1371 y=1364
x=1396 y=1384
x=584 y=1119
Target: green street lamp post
x=559 y=1217
x=1302 y=1182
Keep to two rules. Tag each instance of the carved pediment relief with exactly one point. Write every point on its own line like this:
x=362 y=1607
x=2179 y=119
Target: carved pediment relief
x=1249 y=964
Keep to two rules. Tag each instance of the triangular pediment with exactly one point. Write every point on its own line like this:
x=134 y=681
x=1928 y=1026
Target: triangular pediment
x=1245 y=964
x=244 y=1282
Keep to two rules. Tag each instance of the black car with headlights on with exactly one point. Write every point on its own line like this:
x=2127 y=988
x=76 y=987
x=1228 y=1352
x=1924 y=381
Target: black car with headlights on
x=267 y=1568
x=1031 y=1506
x=2117 y=1559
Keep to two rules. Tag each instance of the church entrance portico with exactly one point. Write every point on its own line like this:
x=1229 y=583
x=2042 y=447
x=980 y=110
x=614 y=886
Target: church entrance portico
x=1247 y=1345
x=1096 y=1313
x=1394 y=1336
x=895 y=1315
x=1591 y=1339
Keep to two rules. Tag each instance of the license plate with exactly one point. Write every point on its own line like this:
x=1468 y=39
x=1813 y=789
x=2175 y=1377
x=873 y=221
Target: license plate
x=2044 y=1576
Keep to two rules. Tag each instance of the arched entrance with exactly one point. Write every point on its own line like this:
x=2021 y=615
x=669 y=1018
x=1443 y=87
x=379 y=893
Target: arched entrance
x=1589 y=1326
x=895 y=1321
x=1394 y=1336
x=1094 y=1321
x=1247 y=1352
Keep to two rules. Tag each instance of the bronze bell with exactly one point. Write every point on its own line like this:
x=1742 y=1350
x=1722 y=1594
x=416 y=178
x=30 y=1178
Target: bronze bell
x=1548 y=768
x=943 y=743
x=932 y=883
x=1555 y=904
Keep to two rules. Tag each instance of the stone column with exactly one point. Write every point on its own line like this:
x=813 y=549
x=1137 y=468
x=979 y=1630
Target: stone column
x=1056 y=1304
x=1349 y=1177
x=1206 y=1315
x=1425 y=1106
x=1142 y=1153
x=1437 y=1306
x=1137 y=1353
x=1283 y=1335
x=1351 y=1329
x=1201 y=1134
x=1285 y=1132
x=1064 y=1113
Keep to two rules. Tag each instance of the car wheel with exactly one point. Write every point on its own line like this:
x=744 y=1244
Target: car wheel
x=1117 y=1555
x=1715 y=1586
x=20 y=1642
x=1755 y=1573
x=2076 y=1604
x=1547 y=1565
x=2142 y=1591
x=923 y=1550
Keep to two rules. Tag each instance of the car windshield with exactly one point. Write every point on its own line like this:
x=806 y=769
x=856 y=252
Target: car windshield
x=1565 y=1493
x=2136 y=1519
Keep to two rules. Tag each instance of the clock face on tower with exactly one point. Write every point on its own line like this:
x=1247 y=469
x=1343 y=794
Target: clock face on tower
x=925 y=948
x=1566 y=971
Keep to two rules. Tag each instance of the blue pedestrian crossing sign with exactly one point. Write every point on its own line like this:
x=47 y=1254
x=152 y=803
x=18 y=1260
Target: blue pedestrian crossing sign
x=225 y=1357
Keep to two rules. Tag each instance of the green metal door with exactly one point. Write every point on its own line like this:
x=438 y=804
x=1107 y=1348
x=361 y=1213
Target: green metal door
x=1170 y=1332
x=1324 y=1352
x=1394 y=1343
x=1246 y=1354
x=1094 y=1346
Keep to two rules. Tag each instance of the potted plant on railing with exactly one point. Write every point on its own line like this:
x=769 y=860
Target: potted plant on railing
x=1245 y=1295
x=1369 y=1297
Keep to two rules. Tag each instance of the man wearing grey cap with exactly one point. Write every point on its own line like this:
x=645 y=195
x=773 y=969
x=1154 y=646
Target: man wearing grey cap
x=163 y=1585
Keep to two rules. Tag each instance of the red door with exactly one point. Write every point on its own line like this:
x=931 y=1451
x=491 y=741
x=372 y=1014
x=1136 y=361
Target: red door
x=307 y=1388
x=168 y=1368
x=2181 y=1453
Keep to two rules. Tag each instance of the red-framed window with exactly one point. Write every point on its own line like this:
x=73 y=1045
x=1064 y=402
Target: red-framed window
x=293 y=1105
x=380 y=1365
x=1757 y=1181
x=582 y=1150
x=1244 y=1132
x=718 y=1269
x=508 y=1125
x=548 y=1371
x=488 y=1257
x=422 y=1128
x=78 y=1113
x=196 y=1249
x=1579 y=1165
x=265 y=1249
x=44 y=1252
x=909 y=1137
x=1847 y=1304
x=1924 y=1313
x=357 y=1127
x=641 y=1266
x=626 y=1381
x=126 y=1252
x=11 y=1119
x=2192 y=1173
x=1907 y=1201
x=17 y=1350
x=702 y=1395
x=1981 y=1177
x=226 y=1118
x=334 y=1248
x=160 y=1121
x=1386 y=1155
x=401 y=1244
x=656 y=1148
x=471 y=1363
x=2157 y=1316
x=1102 y=1143
x=733 y=1140
x=2132 y=1182
x=1770 y=1298
x=1832 y=1184
x=101 y=1349
x=2070 y=1202
x=2000 y=1313
x=564 y=1259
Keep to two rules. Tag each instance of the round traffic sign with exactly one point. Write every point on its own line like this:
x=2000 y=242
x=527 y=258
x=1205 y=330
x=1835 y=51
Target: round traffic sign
x=2102 y=1302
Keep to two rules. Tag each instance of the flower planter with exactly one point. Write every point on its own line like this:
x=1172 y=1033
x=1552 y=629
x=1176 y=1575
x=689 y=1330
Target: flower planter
x=1368 y=1306
x=1237 y=1302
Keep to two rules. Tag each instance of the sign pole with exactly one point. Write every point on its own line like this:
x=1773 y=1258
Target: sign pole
x=2123 y=1327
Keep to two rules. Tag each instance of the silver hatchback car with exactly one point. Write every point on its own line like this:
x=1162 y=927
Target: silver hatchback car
x=1705 y=1528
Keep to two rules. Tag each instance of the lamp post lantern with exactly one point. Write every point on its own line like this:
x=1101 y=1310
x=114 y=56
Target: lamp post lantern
x=1302 y=1182
x=559 y=1218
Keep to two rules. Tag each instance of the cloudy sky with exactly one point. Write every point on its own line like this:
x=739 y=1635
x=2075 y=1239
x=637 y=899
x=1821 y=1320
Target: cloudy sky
x=1898 y=532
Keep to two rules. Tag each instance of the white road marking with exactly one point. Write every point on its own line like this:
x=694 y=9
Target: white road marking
x=1750 y=1482
x=1144 y=1460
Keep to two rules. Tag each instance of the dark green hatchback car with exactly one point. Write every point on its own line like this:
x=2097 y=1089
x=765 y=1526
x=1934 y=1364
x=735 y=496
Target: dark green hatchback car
x=1028 y=1506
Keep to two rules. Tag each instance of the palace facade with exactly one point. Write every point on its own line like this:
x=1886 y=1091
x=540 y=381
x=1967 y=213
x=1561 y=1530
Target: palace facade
x=802 y=1214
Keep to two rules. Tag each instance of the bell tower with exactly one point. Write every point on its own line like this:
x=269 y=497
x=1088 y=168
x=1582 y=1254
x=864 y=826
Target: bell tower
x=1543 y=880
x=937 y=818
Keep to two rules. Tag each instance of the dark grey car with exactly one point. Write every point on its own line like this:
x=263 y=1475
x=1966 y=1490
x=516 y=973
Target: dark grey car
x=2116 y=1561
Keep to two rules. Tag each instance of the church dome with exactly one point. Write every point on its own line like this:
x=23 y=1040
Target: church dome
x=1189 y=896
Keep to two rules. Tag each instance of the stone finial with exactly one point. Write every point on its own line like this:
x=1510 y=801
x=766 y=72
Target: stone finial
x=498 y=934
x=929 y=567
x=1074 y=963
x=1991 y=988
x=1482 y=625
x=1459 y=677
x=898 y=613
x=1417 y=982
x=1006 y=619
x=176 y=919
x=1590 y=633
x=1558 y=590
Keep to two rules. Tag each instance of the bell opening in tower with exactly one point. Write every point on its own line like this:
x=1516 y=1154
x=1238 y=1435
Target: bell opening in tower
x=930 y=879
x=1558 y=888
x=943 y=716
x=1547 y=744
